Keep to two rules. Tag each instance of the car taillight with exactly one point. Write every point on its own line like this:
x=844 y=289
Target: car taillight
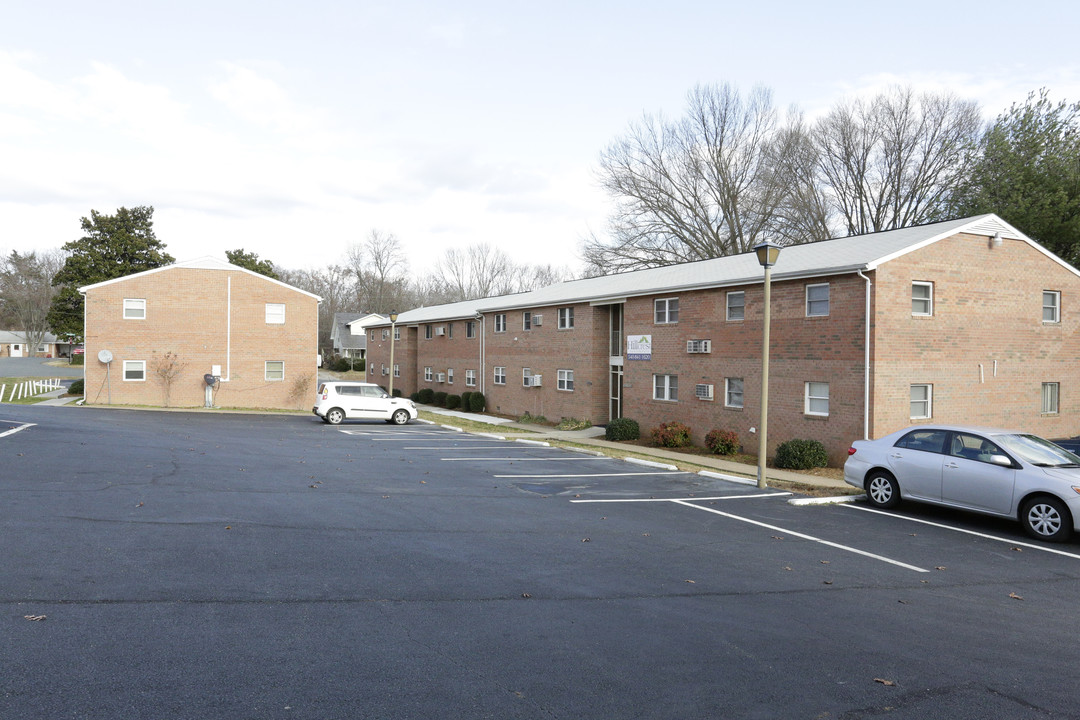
x=851 y=451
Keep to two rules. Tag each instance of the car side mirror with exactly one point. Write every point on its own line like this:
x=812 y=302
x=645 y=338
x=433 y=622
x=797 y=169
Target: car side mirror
x=1001 y=460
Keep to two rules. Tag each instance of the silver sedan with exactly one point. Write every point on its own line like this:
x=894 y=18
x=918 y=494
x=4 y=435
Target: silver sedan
x=995 y=472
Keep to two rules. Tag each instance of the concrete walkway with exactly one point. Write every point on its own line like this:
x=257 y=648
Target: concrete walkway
x=594 y=437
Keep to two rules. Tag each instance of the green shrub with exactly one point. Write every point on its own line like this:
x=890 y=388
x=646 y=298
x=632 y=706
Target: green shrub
x=76 y=388
x=440 y=398
x=426 y=395
x=465 y=400
x=671 y=434
x=78 y=359
x=622 y=429
x=397 y=392
x=722 y=442
x=342 y=364
x=477 y=403
x=415 y=397
x=528 y=417
x=453 y=402
x=801 y=455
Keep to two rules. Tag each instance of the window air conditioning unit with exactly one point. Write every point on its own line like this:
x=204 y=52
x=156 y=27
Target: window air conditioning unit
x=386 y=371
x=440 y=330
x=537 y=380
x=699 y=346
x=703 y=392
x=440 y=377
x=537 y=320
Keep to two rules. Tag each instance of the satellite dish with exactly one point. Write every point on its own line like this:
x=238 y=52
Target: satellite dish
x=105 y=356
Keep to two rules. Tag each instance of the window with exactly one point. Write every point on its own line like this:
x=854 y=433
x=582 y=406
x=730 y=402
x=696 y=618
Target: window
x=922 y=298
x=566 y=380
x=397 y=370
x=973 y=447
x=449 y=331
x=566 y=318
x=1050 y=398
x=665 y=387
x=922 y=397
x=500 y=376
x=275 y=370
x=817 y=398
x=500 y=322
x=275 y=313
x=526 y=376
x=736 y=305
x=397 y=333
x=733 y=392
x=134 y=370
x=427 y=332
x=470 y=378
x=666 y=311
x=449 y=376
x=470 y=329
x=1051 y=306
x=925 y=440
x=134 y=309
x=817 y=300
x=526 y=321
x=428 y=375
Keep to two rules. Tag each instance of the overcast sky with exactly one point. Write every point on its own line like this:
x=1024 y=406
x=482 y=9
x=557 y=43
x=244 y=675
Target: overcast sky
x=293 y=129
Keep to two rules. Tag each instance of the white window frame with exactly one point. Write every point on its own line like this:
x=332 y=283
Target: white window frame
x=526 y=320
x=729 y=307
x=500 y=375
x=1051 y=398
x=817 y=312
x=666 y=387
x=566 y=380
x=134 y=305
x=926 y=402
x=500 y=323
x=1054 y=307
x=266 y=370
x=275 y=313
x=397 y=333
x=397 y=370
x=566 y=318
x=671 y=307
x=729 y=393
x=470 y=329
x=449 y=376
x=429 y=332
x=429 y=375
x=470 y=378
x=810 y=399
x=137 y=366
x=526 y=374
x=927 y=302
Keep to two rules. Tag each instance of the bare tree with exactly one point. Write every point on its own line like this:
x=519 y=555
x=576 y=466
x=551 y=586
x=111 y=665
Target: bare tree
x=378 y=266
x=335 y=284
x=166 y=369
x=26 y=291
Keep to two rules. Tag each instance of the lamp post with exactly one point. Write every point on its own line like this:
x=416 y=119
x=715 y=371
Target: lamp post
x=393 y=321
x=767 y=253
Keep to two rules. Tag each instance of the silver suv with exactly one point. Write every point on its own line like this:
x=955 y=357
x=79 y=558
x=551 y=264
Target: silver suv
x=339 y=401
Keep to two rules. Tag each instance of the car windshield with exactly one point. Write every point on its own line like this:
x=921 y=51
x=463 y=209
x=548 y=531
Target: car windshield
x=1033 y=449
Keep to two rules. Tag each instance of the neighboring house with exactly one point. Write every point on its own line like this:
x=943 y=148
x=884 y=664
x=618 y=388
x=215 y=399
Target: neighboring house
x=163 y=330
x=962 y=321
x=349 y=336
x=13 y=344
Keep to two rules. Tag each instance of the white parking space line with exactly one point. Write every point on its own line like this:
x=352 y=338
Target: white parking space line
x=590 y=475
x=447 y=448
x=1014 y=543
x=701 y=499
x=12 y=431
x=522 y=459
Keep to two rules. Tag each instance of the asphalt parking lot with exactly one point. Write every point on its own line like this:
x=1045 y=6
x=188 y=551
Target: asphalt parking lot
x=211 y=565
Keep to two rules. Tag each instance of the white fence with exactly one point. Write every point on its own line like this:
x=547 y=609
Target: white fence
x=28 y=388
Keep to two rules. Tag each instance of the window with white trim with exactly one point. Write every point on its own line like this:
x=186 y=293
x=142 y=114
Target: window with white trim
x=500 y=323
x=566 y=318
x=397 y=333
x=274 y=370
x=427 y=332
x=666 y=311
x=526 y=376
x=275 y=313
x=428 y=374
x=817 y=399
x=566 y=380
x=500 y=375
x=817 y=300
x=736 y=305
x=449 y=376
x=922 y=298
x=733 y=392
x=134 y=370
x=665 y=387
x=449 y=331
x=1051 y=306
x=134 y=309
x=470 y=378
x=1050 y=398
x=922 y=401
x=526 y=321
x=470 y=329
x=397 y=370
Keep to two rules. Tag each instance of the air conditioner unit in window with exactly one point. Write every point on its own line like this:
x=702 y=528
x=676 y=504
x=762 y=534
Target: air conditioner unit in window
x=537 y=380
x=699 y=346
x=440 y=331
x=703 y=392
x=537 y=320
x=440 y=377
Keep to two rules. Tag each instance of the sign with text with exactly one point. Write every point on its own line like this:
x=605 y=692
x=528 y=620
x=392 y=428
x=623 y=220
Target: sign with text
x=639 y=347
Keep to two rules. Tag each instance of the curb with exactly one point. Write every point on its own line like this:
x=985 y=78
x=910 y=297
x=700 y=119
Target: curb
x=826 y=500
x=649 y=463
x=539 y=443
x=729 y=478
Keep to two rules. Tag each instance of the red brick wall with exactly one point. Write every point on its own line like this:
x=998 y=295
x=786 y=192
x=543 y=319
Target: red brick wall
x=186 y=314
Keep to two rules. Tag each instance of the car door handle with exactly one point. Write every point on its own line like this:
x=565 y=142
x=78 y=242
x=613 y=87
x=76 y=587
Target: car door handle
x=952 y=465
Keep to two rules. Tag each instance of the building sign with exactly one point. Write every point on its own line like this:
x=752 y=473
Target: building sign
x=639 y=347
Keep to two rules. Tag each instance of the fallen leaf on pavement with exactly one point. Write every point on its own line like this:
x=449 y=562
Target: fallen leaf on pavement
x=887 y=683
x=34 y=618
x=1014 y=596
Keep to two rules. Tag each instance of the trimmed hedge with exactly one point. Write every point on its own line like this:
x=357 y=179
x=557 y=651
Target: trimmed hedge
x=453 y=402
x=671 y=434
x=465 y=400
x=76 y=388
x=415 y=397
x=426 y=395
x=622 y=429
x=800 y=455
x=477 y=402
x=722 y=442
x=440 y=398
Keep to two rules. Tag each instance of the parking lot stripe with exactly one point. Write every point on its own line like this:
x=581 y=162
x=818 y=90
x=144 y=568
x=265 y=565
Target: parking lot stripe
x=792 y=533
x=522 y=459
x=1015 y=543
x=446 y=448
x=697 y=499
x=12 y=431
x=592 y=475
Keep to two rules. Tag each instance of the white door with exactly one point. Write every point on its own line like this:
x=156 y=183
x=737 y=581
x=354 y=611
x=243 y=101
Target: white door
x=16 y=350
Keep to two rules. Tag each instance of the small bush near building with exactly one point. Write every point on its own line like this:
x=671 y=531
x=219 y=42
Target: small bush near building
x=453 y=402
x=671 y=434
x=397 y=392
x=477 y=402
x=76 y=388
x=78 y=359
x=573 y=424
x=440 y=398
x=622 y=429
x=342 y=364
x=415 y=397
x=426 y=395
x=722 y=442
x=801 y=455
x=528 y=417
x=465 y=399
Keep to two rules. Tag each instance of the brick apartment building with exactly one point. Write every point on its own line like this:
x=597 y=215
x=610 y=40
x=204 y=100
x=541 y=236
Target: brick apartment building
x=258 y=335
x=965 y=321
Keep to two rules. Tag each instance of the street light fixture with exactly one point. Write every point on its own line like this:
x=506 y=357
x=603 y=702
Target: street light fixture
x=393 y=321
x=767 y=254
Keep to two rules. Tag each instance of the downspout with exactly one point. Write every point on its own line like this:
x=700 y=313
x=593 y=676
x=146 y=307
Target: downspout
x=483 y=358
x=228 y=331
x=866 y=361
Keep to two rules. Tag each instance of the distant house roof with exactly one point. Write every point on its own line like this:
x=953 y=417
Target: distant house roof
x=7 y=337
x=342 y=337
x=825 y=257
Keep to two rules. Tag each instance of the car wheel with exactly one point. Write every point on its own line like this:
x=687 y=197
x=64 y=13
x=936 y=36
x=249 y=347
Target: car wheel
x=1046 y=518
x=882 y=490
x=335 y=415
x=400 y=417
